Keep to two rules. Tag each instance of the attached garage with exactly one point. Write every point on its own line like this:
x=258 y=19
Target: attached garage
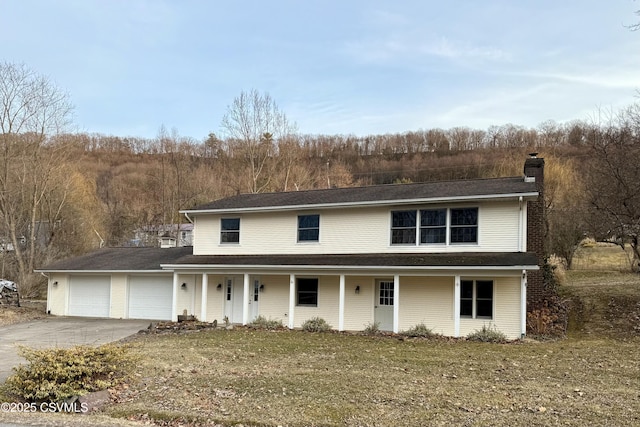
x=150 y=297
x=89 y=295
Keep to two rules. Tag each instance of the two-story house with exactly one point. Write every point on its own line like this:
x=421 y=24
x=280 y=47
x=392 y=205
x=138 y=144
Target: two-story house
x=451 y=255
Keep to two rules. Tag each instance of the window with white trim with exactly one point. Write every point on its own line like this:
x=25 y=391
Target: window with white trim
x=308 y=228
x=230 y=230
x=476 y=299
x=307 y=292
x=464 y=225
x=403 y=228
x=440 y=226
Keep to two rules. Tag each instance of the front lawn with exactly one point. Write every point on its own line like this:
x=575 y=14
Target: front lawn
x=297 y=378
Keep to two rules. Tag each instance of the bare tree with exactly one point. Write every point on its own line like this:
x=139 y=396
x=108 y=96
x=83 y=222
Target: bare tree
x=32 y=109
x=255 y=124
x=614 y=179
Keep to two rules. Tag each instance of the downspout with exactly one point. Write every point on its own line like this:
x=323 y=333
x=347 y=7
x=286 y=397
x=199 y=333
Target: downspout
x=186 y=215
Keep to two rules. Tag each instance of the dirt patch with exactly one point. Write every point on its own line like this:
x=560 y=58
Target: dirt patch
x=28 y=310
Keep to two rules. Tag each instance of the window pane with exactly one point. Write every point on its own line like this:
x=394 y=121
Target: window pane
x=403 y=236
x=230 y=237
x=464 y=235
x=433 y=235
x=229 y=224
x=466 y=216
x=484 y=289
x=466 y=289
x=308 y=235
x=403 y=219
x=308 y=221
x=433 y=217
x=466 y=307
x=484 y=308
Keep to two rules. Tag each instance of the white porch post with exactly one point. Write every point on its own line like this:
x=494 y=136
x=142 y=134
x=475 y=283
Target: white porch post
x=292 y=298
x=396 y=303
x=456 y=307
x=174 y=299
x=341 y=304
x=523 y=304
x=245 y=302
x=203 y=303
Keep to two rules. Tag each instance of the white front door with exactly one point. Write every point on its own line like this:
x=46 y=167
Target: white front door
x=383 y=306
x=254 y=306
x=234 y=291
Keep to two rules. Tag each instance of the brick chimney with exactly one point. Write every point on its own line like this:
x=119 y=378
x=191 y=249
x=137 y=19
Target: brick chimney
x=536 y=229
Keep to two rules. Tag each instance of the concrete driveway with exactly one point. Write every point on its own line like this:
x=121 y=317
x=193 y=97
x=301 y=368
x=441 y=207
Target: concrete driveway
x=60 y=332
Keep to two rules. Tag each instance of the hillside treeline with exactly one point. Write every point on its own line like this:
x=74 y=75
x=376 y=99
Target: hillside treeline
x=133 y=182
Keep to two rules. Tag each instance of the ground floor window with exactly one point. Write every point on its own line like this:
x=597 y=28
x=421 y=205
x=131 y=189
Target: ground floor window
x=476 y=298
x=307 y=291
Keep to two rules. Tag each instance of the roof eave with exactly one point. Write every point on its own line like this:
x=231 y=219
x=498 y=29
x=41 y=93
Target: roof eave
x=293 y=267
x=368 y=203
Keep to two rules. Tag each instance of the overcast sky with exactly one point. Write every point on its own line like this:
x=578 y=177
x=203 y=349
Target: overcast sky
x=334 y=66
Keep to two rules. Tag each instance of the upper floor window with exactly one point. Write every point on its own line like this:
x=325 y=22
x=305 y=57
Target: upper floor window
x=308 y=228
x=436 y=226
x=476 y=298
x=230 y=230
x=403 y=227
x=464 y=225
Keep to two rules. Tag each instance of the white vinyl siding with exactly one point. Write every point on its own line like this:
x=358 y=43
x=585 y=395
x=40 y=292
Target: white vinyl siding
x=354 y=230
x=328 y=294
x=274 y=299
x=506 y=310
x=427 y=300
x=358 y=307
x=57 y=298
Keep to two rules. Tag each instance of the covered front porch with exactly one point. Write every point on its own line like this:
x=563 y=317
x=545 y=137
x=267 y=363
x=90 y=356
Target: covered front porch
x=451 y=303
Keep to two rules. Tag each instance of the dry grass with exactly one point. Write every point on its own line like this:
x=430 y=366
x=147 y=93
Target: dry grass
x=27 y=311
x=602 y=257
x=299 y=379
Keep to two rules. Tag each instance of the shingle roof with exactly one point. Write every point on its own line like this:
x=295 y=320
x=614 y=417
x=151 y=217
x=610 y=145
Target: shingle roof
x=150 y=259
x=463 y=259
x=376 y=193
x=121 y=259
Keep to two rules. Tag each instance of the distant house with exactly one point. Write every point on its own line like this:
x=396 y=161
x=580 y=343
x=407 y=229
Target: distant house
x=164 y=235
x=455 y=256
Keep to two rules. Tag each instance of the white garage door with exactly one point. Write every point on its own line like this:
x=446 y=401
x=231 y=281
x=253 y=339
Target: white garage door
x=89 y=296
x=150 y=297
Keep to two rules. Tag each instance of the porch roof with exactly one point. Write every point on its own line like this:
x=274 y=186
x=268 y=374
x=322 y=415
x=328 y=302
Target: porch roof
x=156 y=259
x=525 y=260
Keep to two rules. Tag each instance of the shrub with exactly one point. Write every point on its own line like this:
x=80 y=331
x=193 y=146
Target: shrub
x=57 y=374
x=419 y=331
x=487 y=334
x=262 y=322
x=372 y=328
x=316 y=324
